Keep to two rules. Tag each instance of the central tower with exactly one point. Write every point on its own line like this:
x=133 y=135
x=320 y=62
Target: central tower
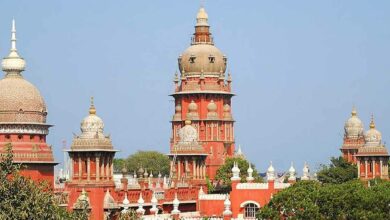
x=202 y=100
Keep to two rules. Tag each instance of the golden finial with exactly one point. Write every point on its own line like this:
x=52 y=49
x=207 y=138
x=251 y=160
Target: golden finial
x=188 y=122
x=372 y=123
x=92 y=109
x=354 y=112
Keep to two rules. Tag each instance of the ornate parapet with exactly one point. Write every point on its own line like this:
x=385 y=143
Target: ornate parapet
x=221 y=197
x=252 y=186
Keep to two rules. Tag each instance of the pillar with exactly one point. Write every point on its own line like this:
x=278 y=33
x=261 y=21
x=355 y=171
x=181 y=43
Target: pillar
x=88 y=168
x=381 y=168
x=97 y=167
x=80 y=168
x=366 y=167
x=193 y=168
x=358 y=167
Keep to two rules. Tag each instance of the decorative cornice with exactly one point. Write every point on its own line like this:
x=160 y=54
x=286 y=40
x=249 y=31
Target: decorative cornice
x=24 y=129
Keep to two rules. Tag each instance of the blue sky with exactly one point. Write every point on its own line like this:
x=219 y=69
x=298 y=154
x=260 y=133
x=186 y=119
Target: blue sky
x=297 y=67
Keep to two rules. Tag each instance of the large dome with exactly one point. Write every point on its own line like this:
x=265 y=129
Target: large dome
x=20 y=102
x=202 y=57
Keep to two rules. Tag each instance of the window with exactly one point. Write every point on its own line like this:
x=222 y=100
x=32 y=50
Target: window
x=192 y=59
x=211 y=59
x=250 y=210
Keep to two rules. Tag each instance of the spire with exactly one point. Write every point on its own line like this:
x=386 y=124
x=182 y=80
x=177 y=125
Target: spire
x=176 y=204
x=92 y=109
x=13 y=37
x=372 y=123
x=13 y=64
x=354 y=112
x=227 y=205
x=202 y=17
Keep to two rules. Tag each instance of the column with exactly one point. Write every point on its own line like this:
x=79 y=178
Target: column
x=197 y=169
x=112 y=167
x=71 y=167
x=171 y=168
x=380 y=168
x=358 y=167
x=88 y=168
x=178 y=169
x=186 y=167
x=193 y=168
x=366 y=167
x=103 y=175
x=80 y=168
x=373 y=162
x=97 y=167
x=204 y=171
x=106 y=164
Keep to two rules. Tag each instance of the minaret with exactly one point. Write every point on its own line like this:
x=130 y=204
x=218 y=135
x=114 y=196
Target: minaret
x=353 y=137
x=203 y=95
x=23 y=119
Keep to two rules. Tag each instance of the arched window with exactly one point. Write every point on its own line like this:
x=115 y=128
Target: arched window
x=250 y=210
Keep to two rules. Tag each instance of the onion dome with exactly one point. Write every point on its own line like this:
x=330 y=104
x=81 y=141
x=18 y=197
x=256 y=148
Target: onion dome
x=177 y=115
x=212 y=110
x=202 y=55
x=292 y=173
x=227 y=115
x=92 y=136
x=353 y=126
x=271 y=172
x=108 y=201
x=373 y=137
x=250 y=178
x=236 y=172
x=20 y=101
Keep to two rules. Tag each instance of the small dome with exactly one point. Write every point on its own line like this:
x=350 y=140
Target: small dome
x=202 y=58
x=192 y=107
x=212 y=107
x=373 y=137
x=353 y=126
x=91 y=126
x=178 y=108
x=226 y=108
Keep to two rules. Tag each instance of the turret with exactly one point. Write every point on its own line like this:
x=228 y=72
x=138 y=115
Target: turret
x=250 y=178
x=306 y=172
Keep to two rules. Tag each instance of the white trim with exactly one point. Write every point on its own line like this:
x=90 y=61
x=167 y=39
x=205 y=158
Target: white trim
x=242 y=205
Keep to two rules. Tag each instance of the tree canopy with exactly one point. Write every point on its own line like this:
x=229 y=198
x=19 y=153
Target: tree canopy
x=224 y=173
x=314 y=200
x=339 y=171
x=152 y=161
x=22 y=198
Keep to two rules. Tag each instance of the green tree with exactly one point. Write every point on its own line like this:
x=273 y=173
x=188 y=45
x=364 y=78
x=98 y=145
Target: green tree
x=339 y=171
x=153 y=161
x=119 y=164
x=22 y=198
x=314 y=200
x=224 y=173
